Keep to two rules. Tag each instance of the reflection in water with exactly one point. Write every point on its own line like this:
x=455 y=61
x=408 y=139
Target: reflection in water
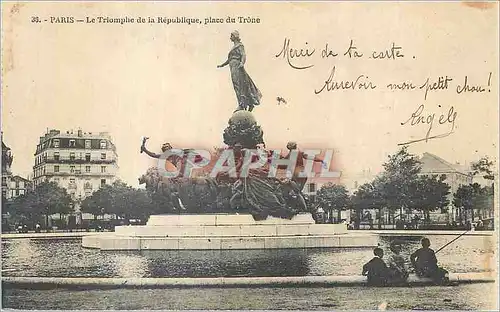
x=215 y=263
x=130 y=265
x=23 y=253
x=66 y=258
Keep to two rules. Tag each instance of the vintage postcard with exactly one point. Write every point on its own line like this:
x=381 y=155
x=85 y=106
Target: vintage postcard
x=249 y=155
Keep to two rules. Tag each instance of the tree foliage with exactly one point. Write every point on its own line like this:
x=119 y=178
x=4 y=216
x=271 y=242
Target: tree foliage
x=430 y=194
x=484 y=166
x=47 y=199
x=333 y=197
x=401 y=186
x=121 y=200
x=472 y=196
x=400 y=180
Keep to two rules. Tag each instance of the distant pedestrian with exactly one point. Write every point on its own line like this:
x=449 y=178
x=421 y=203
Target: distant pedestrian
x=376 y=270
x=37 y=228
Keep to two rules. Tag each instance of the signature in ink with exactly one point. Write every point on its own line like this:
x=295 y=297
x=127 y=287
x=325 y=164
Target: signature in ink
x=418 y=118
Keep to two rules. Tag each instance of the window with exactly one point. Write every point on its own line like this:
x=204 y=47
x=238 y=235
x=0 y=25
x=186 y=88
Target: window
x=103 y=182
x=87 y=156
x=312 y=187
x=71 y=156
x=87 y=186
x=88 y=144
x=103 y=169
x=72 y=181
x=72 y=143
x=4 y=180
x=17 y=192
x=56 y=155
x=103 y=156
x=56 y=168
x=103 y=144
x=72 y=169
x=87 y=168
x=56 y=143
x=21 y=192
x=17 y=184
x=56 y=180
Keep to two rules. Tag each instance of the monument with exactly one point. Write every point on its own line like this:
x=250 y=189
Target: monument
x=249 y=206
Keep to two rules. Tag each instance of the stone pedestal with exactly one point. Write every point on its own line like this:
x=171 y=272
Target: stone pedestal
x=227 y=231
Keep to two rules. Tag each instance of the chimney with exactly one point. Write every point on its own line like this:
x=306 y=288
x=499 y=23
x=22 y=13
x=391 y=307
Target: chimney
x=79 y=132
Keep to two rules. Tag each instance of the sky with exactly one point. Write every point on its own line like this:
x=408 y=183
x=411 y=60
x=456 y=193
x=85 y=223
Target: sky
x=161 y=81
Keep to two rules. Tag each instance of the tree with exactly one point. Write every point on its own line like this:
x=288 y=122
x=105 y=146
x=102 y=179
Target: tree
x=431 y=193
x=484 y=166
x=399 y=180
x=47 y=199
x=121 y=200
x=470 y=197
x=331 y=196
x=368 y=196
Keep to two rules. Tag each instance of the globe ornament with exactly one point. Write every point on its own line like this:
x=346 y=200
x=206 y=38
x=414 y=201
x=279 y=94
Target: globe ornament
x=242 y=117
x=243 y=129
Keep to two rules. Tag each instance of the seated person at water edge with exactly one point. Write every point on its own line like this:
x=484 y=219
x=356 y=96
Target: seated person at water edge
x=425 y=262
x=375 y=269
x=397 y=270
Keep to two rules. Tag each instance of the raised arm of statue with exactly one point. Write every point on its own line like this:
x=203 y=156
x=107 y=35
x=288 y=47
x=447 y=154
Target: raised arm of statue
x=145 y=150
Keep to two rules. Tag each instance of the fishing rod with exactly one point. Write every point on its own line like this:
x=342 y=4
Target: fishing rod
x=451 y=241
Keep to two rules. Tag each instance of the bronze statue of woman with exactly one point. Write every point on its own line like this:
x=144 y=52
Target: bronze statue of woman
x=247 y=93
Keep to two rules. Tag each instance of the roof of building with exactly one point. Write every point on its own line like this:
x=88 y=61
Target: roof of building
x=16 y=177
x=431 y=163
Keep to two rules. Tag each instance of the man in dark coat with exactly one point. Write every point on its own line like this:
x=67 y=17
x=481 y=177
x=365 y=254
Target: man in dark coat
x=375 y=269
x=425 y=263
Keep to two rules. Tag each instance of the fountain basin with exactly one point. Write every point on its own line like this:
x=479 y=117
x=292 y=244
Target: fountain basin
x=227 y=231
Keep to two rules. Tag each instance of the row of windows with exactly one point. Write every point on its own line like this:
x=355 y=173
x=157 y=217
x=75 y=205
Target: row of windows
x=72 y=156
x=15 y=193
x=72 y=169
x=72 y=183
x=17 y=184
x=88 y=143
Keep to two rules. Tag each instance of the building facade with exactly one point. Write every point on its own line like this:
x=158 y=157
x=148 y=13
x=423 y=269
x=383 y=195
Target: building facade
x=6 y=169
x=19 y=186
x=81 y=162
x=456 y=175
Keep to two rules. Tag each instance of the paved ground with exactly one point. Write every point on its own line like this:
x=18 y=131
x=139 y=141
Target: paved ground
x=463 y=297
